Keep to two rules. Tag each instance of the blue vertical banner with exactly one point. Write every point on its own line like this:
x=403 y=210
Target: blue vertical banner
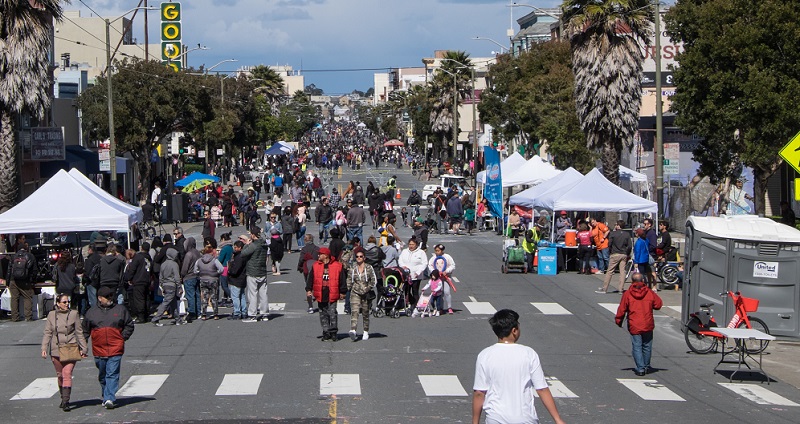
x=493 y=191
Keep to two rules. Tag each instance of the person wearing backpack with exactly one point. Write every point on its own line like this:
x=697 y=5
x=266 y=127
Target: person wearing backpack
x=21 y=272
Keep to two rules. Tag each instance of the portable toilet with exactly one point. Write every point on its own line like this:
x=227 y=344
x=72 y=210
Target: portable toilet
x=756 y=256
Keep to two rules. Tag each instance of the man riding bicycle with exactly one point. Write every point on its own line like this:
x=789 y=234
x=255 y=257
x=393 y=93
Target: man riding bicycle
x=414 y=200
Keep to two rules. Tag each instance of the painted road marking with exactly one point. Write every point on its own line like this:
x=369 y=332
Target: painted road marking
x=650 y=390
x=480 y=308
x=758 y=394
x=455 y=279
x=142 y=385
x=41 y=388
x=274 y=307
x=677 y=309
x=612 y=307
x=339 y=384
x=550 y=308
x=441 y=385
x=239 y=384
x=558 y=389
x=281 y=282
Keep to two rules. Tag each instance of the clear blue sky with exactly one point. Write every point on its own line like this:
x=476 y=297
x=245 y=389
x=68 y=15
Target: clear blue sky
x=330 y=34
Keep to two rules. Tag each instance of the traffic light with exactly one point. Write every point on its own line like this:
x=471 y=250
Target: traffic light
x=184 y=143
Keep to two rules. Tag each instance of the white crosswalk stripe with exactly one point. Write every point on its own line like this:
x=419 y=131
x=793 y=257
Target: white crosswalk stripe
x=41 y=388
x=142 y=385
x=441 y=385
x=611 y=307
x=558 y=389
x=339 y=384
x=758 y=394
x=548 y=308
x=479 y=308
x=677 y=309
x=275 y=307
x=239 y=384
x=650 y=389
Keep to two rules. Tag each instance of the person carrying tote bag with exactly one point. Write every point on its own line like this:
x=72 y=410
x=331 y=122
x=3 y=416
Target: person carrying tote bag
x=63 y=340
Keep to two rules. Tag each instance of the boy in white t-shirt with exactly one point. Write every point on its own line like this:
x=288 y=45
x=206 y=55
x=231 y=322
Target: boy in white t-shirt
x=501 y=370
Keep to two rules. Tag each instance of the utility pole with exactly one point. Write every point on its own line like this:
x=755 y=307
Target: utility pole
x=112 y=145
x=659 y=141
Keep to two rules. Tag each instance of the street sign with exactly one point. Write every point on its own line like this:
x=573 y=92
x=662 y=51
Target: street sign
x=220 y=152
x=171 y=36
x=671 y=167
x=201 y=153
x=104 y=154
x=791 y=152
x=672 y=151
x=47 y=144
x=105 y=165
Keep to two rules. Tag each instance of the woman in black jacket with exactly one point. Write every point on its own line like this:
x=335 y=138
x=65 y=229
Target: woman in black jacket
x=66 y=279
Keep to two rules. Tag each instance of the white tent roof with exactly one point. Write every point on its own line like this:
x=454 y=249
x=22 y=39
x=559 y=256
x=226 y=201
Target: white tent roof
x=130 y=209
x=545 y=194
x=627 y=174
x=507 y=167
x=595 y=193
x=745 y=227
x=534 y=171
x=65 y=204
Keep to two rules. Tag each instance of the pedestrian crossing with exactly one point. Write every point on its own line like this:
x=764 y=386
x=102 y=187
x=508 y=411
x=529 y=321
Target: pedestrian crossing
x=433 y=386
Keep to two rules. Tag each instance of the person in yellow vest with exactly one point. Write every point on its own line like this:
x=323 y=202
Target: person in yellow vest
x=529 y=245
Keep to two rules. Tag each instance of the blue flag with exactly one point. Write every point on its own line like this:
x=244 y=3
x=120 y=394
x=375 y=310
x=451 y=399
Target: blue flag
x=493 y=191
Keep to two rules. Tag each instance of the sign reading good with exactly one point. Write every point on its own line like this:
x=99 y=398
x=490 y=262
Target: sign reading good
x=765 y=269
x=171 y=41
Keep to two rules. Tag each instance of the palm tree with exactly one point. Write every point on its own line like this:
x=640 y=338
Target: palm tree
x=270 y=85
x=443 y=112
x=606 y=40
x=24 y=78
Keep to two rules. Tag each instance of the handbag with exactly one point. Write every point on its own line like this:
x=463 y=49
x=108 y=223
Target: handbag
x=67 y=352
x=371 y=295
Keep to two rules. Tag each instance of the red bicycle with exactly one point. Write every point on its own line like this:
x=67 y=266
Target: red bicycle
x=699 y=330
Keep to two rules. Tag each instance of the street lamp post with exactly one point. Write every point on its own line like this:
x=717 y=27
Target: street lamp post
x=221 y=97
x=112 y=145
x=493 y=41
x=540 y=10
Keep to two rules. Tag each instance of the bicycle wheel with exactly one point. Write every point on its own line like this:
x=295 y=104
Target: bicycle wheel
x=697 y=342
x=755 y=346
x=668 y=274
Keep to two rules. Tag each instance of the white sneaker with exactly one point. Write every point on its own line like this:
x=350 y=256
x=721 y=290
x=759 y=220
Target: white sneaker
x=353 y=335
x=249 y=320
x=365 y=336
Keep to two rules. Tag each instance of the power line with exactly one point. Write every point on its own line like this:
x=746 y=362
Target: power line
x=115 y=29
x=80 y=43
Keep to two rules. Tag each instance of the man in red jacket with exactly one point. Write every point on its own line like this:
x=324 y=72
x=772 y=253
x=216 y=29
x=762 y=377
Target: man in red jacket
x=638 y=302
x=109 y=326
x=326 y=282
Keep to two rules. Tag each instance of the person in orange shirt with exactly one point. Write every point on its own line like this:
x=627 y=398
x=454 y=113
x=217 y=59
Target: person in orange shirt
x=600 y=233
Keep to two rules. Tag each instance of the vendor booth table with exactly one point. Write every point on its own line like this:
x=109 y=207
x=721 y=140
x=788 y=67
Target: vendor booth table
x=738 y=336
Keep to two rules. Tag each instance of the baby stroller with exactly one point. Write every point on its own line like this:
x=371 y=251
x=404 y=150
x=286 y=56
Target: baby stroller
x=424 y=306
x=391 y=292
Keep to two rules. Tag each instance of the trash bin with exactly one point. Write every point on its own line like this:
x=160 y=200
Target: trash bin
x=548 y=261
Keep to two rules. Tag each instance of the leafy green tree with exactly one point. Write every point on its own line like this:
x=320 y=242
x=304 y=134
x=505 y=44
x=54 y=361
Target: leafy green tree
x=150 y=102
x=738 y=83
x=531 y=96
x=24 y=78
x=606 y=37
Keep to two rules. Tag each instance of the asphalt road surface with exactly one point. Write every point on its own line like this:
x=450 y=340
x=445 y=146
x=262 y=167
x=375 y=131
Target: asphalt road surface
x=411 y=370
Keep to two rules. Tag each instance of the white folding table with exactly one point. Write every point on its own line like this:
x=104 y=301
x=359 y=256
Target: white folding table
x=739 y=336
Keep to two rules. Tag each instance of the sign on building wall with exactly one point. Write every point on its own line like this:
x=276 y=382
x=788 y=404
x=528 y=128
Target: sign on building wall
x=47 y=144
x=171 y=38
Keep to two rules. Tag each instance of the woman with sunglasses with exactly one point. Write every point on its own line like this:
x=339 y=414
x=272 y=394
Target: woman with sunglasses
x=63 y=327
x=360 y=281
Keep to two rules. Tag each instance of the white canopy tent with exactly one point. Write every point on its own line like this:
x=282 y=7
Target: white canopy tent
x=534 y=171
x=595 y=193
x=65 y=204
x=627 y=174
x=80 y=178
x=545 y=194
x=507 y=167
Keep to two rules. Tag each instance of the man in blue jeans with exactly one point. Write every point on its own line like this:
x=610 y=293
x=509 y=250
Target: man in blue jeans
x=638 y=303
x=109 y=325
x=191 y=285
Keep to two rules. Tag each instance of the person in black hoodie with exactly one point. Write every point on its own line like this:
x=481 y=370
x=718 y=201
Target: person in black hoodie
x=237 y=281
x=180 y=241
x=96 y=251
x=111 y=271
x=137 y=275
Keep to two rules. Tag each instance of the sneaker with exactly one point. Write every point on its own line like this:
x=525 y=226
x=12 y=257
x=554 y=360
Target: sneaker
x=353 y=335
x=450 y=311
x=600 y=291
x=365 y=336
x=180 y=322
x=325 y=337
x=108 y=404
x=249 y=320
x=639 y=373
x=310 y=310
